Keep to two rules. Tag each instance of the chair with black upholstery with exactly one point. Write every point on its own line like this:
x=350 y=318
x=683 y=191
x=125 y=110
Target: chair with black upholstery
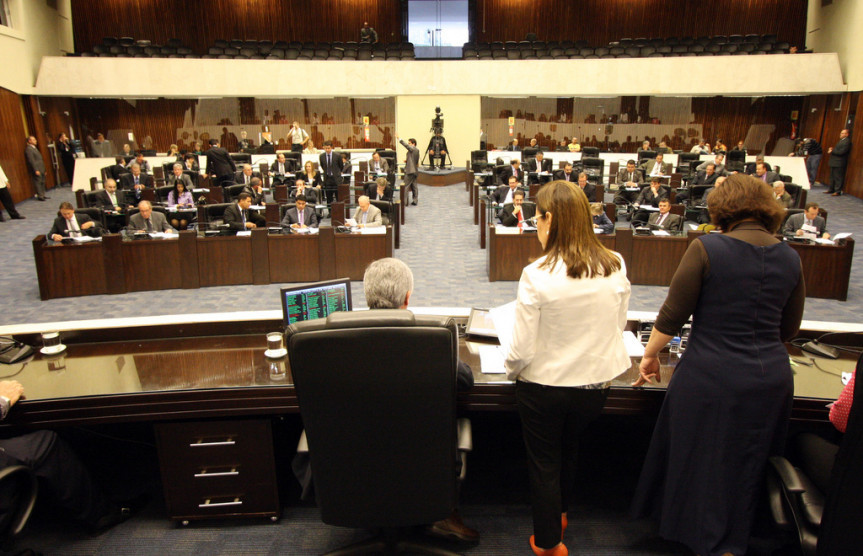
x=684 y=163
x=735 y=161
x=230 y=192
x=798 y=194
x=215 y=213
x=18 y=490
x=594 y=168
x=590 y=152
x=95 y=214
x=399 y=430
x=645 y=155
x=386 y=208
x=162 y=194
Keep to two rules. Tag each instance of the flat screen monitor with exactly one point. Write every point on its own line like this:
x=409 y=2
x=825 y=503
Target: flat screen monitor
x=315 y=300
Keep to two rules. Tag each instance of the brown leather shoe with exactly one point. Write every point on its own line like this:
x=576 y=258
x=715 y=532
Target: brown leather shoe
x=452 y=528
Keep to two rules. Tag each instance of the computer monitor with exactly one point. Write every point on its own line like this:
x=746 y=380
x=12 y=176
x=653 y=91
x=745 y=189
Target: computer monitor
x=315 y=300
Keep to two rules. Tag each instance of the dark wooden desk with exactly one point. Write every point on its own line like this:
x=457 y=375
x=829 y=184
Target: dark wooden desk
x=191 y=261
x=652 y=260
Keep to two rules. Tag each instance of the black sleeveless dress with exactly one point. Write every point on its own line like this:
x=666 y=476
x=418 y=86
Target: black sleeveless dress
x=728 y=403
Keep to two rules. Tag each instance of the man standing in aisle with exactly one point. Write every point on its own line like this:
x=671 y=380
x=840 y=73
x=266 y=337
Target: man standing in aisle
x=298 y=137
x=838 y=162
x=6 y=199
x=220 y=165
x=331 y=167
x=36 y=165
x=412 y=162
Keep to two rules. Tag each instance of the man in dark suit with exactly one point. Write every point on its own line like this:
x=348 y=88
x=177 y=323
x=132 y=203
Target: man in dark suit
x=437 y=149
x=412 y=163
x=708 y=176
x=762 y=173
x=177 y=175
x=517 y=212
x=566 y=174
x=220 y=165
x=301 y=216
x=110 y=200
x=630 y=176
x=331 y=165
x=838 y=163
x=71 y=224
x=380 y=190
x=649 y=196
x=238 y=216
x=514 y=170
x=310 y=193
x=36 y=165
x=588 y=188
x=378 y=165
x=664 y=220
x=148 y=220
x=513 y=146
x=806 y=223
x=245 y=175
x=536 y=166
x=504 y=194
x=718 y=165
x=782 y=197
x=135 y=182
x=657 y=167
x=279 y=169
x=118 y=169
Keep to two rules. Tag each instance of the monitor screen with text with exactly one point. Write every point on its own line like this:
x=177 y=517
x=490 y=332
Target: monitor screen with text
x=315 y=300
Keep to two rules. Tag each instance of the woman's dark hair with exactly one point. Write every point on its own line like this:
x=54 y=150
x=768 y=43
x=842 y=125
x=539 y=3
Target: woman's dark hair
x=570 y=236
x=743 y=197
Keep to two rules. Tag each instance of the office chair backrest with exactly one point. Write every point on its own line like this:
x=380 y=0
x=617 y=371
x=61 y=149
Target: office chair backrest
x=216 y=212
x=376 y=391
x=590 y=151
x=646 y=155
x=162 y=193
x=386 y=208
x=283 y=209
x=230 y=192
x=18 y=489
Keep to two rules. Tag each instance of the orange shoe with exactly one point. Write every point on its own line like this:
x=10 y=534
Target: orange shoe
x=563 y=523
x=559 y=550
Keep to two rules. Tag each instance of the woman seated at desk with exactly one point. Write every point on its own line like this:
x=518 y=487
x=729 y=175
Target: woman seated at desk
x=180 y=198
x=310 y=149
x=310 y=176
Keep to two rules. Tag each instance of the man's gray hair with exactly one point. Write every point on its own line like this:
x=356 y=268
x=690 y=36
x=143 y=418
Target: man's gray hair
x=177 y=165
x=387 y=283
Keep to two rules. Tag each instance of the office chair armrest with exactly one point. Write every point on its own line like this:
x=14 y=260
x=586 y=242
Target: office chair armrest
x=787 y=474
x=303 y=443
x=465 y=435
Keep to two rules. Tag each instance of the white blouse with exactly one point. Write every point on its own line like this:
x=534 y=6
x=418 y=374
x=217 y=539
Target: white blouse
x=568 y=331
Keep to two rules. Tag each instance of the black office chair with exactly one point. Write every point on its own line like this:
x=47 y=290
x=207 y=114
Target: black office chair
x=594 y=168
x=162 y=193
x=230 y=192
x=90 y=199
x=216 y=213
x=798 y=194
x=97 y=216
x=392 y=411
x=592 y=152
x=386 y=208
x=684 y=163
x=644 y=156
x=18 y=490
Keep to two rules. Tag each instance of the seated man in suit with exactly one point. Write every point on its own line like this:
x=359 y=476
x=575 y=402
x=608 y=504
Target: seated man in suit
x=629 y=177
x=300 y=216
x=536 y=166
x=239 y=217
x=378 y=165
x=566 y=174
x=110 y=201
x=588 y=188
x=663 y=148
x=310 y=193
x=70 y=224
x=517 y=212
x=513 y=146
x=177 y=175
x=664 y=220
x=148 y=220
x=118 y=169
x=782 y=197
x=503 y=194
x=602 y=224
x=645 y=146
x=279 y=170
x=256 y=191
x=752 y=166
x=515 y=170
x=762 y=173
x=190 y=164
x=649 y=196
x=245 y=175
x=347 y=168
x=135 y=182
x=718 y=165
x=139 y=160
x=367 y=215
x=700 y=148
x=708 y=176
x=380 y=190
x=657 y=167
x=807 y=223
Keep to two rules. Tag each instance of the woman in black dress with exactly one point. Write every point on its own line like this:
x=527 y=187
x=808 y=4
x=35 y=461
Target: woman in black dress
x=728 y=403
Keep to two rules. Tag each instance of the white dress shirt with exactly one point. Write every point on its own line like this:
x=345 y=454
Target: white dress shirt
x=568 y=331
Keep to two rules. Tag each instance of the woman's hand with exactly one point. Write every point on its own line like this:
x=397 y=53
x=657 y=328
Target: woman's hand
x=648 y=369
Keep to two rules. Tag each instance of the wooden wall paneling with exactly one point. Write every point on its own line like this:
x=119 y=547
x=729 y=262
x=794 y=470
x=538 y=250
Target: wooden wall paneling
x=812 y=116
x=60 y=116
x=200 y=24
x=602 y=21
x=854 y=173
x=12 y=143
x=835 y=116
x=36 y=127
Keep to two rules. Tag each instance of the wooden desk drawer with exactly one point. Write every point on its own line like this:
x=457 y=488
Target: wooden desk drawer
x=218 y=468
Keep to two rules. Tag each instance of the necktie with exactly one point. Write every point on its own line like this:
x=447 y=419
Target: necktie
x=329 y=164
x=520 y=218
x=113 y=200
x=149 y=225
x=136 y=180
x=660 y=220
x=243 y=214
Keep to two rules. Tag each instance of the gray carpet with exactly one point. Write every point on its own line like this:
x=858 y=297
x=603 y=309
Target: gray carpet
x=439 y=242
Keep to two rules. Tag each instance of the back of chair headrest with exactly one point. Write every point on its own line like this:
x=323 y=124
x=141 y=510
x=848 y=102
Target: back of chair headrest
x=368 y=319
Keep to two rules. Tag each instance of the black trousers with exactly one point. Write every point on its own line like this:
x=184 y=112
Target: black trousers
x=837 y=178
x=62 y=477
x=6 y=201
x=410 y=185
x=296 y=147
x=552 y=418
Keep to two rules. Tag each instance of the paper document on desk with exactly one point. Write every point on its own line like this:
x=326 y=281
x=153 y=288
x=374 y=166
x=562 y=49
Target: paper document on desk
x=660 y=233
x=165 y=235
x=843 y=235
x=502 y=230
x=491 y=360
x=350 y=222
x=376 y=231
x=634 y=348
x=85 y=239
x=504 y=322
x=823 y=241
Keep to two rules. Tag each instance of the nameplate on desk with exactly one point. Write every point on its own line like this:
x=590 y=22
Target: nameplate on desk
x=201 y=190
x=84 y=239
x=506 y=230
x=376 y=231
x=258 y=207
x=244 y=233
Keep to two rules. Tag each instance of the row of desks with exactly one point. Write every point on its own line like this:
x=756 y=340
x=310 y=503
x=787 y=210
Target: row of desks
x=114 y=265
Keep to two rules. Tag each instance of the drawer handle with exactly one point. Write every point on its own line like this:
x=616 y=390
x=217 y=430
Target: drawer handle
x=232 y=473
x=208 y=504
x=200 y=443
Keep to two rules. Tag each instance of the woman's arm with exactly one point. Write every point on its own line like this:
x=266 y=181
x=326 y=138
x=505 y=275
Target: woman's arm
x=526 y=328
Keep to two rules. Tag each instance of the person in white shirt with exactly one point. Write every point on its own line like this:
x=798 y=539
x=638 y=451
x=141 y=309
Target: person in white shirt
x=298 y=137
x=567 y=346
x=6 y=198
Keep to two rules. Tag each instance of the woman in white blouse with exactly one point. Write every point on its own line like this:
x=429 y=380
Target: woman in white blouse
x=567 y=346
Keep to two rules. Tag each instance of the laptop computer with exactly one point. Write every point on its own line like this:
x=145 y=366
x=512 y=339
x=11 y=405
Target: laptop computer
x=315 y=300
